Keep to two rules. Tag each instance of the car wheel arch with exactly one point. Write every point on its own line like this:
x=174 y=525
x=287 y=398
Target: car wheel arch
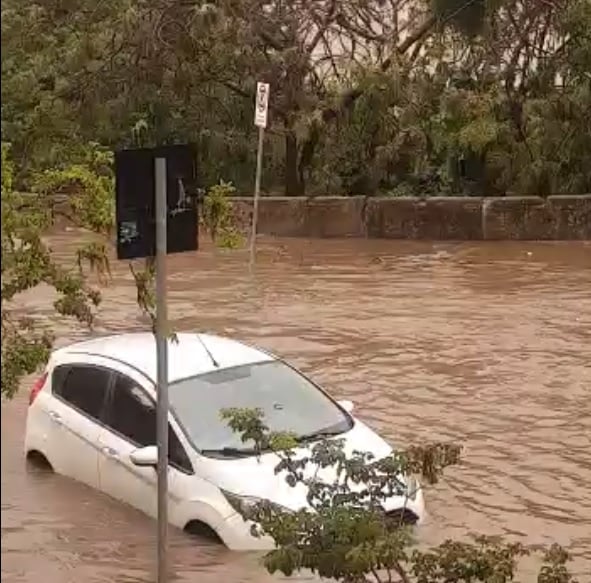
x=39 y=459
x=200 y=528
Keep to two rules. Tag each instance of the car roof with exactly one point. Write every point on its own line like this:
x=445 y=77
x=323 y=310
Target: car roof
x=187 y=355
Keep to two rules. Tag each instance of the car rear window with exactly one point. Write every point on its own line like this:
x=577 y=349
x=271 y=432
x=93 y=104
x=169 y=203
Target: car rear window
x=82 y=386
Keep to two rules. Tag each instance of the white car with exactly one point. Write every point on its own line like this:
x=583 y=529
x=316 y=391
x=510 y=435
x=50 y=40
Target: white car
x=92 y=417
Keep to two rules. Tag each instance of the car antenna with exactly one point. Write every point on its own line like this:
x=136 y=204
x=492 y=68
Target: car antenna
x=213 y=360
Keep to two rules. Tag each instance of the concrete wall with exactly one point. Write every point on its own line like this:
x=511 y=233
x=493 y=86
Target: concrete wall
x=436 y=218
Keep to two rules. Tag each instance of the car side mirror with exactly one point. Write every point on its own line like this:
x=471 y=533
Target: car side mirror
x=145 y=456
x=347 y=405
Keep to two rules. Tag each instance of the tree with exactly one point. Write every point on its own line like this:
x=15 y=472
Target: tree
x=27 y=261
x=377 y=96
x=344 y=533
x=187 y=70
x=80 y=192
x=474 y=115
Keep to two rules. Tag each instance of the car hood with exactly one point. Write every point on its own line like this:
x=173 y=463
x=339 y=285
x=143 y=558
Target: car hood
x=256 y=477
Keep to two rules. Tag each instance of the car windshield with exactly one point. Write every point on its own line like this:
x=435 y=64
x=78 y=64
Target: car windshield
x=288 y=400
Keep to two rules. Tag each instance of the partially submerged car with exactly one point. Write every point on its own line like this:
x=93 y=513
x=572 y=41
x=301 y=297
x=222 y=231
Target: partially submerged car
x=92 y=417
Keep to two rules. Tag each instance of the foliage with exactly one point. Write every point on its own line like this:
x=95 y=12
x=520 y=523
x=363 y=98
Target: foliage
x=80 y=191
x=344 y=533
x=144 y=280
x=435 y=95
x=27 y=262
x=86 y=187
x=218 y=217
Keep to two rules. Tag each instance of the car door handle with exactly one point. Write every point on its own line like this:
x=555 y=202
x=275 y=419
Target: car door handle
x=55 y=417
x=110 y=452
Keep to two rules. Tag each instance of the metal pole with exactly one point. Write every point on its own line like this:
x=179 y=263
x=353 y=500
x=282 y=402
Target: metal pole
x=257 y=189
x=161 y=367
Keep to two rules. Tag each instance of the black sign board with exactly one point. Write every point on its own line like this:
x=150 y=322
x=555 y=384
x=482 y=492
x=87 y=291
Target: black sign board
x=135 y=200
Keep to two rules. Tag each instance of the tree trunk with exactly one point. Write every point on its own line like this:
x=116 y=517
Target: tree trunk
x=294 y=186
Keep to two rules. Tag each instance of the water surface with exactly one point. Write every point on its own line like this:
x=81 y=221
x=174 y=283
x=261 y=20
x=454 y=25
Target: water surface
x=488 y=344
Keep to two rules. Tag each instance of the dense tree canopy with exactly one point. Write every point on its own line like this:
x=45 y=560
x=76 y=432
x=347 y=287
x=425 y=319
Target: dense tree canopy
x=368 y=96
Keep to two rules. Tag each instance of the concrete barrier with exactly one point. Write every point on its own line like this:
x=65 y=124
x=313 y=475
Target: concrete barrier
x=436 y=218
x=572 y=216
x=327 y=216
x=559 y=217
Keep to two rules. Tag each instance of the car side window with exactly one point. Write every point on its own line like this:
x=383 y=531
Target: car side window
x=84 y=387
x=132 y=414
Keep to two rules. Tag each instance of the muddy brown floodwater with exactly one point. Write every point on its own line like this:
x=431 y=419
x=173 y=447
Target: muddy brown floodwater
x=487 y=344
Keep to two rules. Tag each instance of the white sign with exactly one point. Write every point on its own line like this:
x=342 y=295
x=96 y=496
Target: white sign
x=261 y=105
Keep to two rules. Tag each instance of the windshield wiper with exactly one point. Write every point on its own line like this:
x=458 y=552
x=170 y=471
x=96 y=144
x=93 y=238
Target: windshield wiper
x=238 y=452
x=231 y=452
x=317 y=435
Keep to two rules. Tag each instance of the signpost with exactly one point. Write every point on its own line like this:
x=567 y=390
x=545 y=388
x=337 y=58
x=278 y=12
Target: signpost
x=135 y=190
x=260 y=120
x=155 y=217
x=161 y=365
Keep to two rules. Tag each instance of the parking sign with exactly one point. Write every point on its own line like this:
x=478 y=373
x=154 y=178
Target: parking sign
x=261 y=105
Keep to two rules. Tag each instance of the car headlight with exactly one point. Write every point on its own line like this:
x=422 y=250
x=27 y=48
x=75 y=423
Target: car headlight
x=246 y=506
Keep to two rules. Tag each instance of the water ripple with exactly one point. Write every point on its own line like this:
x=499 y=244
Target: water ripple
x=487 y=344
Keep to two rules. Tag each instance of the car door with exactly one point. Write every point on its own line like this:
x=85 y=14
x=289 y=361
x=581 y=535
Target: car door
x=79 y=391
x=130 y=423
